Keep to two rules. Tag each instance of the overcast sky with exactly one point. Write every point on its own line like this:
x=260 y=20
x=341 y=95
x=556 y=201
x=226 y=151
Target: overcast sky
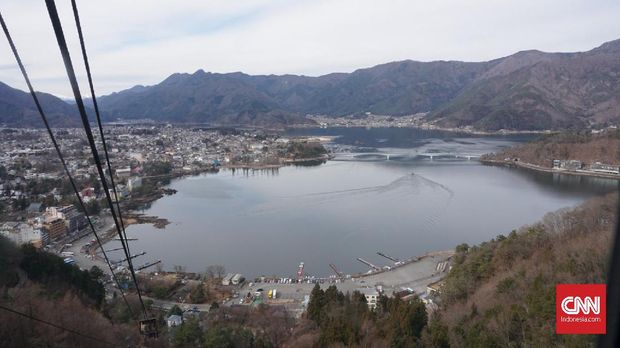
x=143 y=41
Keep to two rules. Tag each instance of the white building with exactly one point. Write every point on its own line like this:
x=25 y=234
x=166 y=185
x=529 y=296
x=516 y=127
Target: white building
x=134 y=183
x=21 y=233
x=236 y=279
x=227 y=279
x=123 y=172
x=605 y=168
x=174 y=320
x=372 y=295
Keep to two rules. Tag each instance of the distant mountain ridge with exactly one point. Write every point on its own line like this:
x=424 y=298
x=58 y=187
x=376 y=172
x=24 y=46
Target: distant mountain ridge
x=536 y=90
x=529 y=90
x=18 y=109
x=398 y=88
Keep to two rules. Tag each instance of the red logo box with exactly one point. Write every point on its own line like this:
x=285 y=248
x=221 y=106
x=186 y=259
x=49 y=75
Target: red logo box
x=580 y=309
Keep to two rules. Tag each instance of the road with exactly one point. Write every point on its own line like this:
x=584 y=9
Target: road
x=83 y=260
x=166 y=305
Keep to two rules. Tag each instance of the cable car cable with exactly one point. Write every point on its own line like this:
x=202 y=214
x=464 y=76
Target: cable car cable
x=58 y=152
x=96 y=107
x=62 y=44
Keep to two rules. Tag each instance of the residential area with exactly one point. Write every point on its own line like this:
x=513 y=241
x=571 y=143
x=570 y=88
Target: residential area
x=38 y=204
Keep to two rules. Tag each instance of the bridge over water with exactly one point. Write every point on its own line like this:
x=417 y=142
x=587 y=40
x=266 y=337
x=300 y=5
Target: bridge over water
x=387 y=156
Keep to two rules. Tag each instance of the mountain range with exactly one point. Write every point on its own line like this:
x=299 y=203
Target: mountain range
x=529 y=90
x=17 y=109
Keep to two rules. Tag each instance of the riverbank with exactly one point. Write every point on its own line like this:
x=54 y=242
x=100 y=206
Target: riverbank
x=530 y=166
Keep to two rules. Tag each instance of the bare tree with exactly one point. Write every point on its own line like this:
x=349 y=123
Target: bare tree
x=220 y=271
x=215 y=272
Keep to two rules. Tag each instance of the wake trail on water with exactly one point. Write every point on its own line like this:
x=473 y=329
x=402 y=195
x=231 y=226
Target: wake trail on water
x=403 y=189
x=438 y=185
x=409 y=179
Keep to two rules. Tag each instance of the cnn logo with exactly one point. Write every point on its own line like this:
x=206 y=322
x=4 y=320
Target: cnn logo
x=575 y=305
x=580 y=309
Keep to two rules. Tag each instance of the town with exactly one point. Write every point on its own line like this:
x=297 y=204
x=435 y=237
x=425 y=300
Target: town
x=418 y=120
x=38 y=205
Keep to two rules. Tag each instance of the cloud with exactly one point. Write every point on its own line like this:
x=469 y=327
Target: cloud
x=144 y=41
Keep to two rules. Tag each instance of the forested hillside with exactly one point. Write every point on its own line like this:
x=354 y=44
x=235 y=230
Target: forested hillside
x=538 y=90
x=42 y=285
x=584 y=146
x=17 y=109
x=502 y=293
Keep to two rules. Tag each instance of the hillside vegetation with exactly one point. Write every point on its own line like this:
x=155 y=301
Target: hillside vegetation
x=585 y=146
x=18 y=109
x=539 y=90
x=501 y=293
x=42 y=285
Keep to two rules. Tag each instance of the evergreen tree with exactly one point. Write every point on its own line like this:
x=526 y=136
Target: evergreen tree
x=198 y=294
x=316 y=304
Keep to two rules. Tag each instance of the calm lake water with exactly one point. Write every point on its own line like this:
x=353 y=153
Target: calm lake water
x=266 y=222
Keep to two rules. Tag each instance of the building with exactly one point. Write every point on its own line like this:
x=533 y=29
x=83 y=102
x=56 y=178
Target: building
x=236 y=279
x=405 y=294
x=73 y=219
x=227 y=279
x=10 y=231
x=34 y=208
x=134 y=183
x=191 y=313
x=567 y=164
x=372 y=295
x=21 y=233
x=55 y=228
x=54 y=212
x=115 y=196
x=434 y=288
x=32 y=235
x=605 y=168
x=121 y=192
x=123 y=172
x=174 y=320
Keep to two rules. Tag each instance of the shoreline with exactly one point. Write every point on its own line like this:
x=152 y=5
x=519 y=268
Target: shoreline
x=137 y=204
x=284 y=163
x=518 y=164
x=434 y=128
x=447 y=253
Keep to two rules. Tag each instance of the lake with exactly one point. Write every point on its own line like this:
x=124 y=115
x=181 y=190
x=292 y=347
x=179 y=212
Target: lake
x=382 y=192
